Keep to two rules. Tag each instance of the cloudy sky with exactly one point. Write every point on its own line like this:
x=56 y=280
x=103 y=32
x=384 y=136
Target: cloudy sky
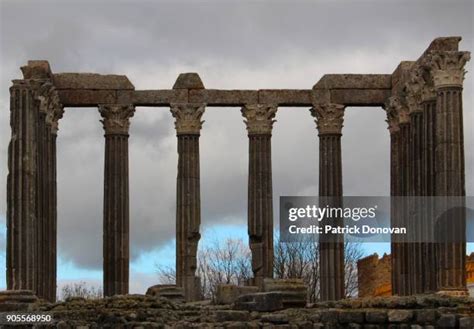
x=231 y=44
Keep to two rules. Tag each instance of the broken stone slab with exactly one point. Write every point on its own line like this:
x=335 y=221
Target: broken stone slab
x=16 y=300
x=228 y=293
x=260 y=302
x=168 y=291
x=294 y=292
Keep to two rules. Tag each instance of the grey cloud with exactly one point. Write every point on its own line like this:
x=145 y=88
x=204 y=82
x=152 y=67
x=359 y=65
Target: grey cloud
x=232 y=45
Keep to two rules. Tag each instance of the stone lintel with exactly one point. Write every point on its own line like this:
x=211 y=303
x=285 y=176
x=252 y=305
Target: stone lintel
x=87 y=97
x=360 y=97
x=163 y=97
x=216 y=97
x=285 y=97
x=354 y=81
x=92 y=81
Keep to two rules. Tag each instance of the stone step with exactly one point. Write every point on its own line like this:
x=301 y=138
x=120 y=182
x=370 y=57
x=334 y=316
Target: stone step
x=171 y=292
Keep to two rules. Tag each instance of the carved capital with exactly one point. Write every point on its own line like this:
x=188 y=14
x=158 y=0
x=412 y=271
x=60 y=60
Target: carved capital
x=50 y=105
x=329 y=118
x=116 y=118
x=187 y=118
x=259 y=118
x=447 y=67
x=413 y=88
x=397 y=113
x=391 y=108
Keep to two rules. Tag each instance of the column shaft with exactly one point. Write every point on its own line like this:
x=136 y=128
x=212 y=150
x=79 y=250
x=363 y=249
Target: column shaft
x=450 y=181
x=330 y=191
x=188 y=125
x=405 y=249
x=260 y=207
x=259 y=121
x=22 y=190
x=415 y=190
x=428 y=190
x=329 y=122
x=188 y=213
x=116 y=230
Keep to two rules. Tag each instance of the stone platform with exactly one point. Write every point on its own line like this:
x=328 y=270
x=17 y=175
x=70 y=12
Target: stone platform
x=140 y=311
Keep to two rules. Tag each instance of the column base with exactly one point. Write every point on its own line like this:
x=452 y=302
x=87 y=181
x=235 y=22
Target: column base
x=453 y=292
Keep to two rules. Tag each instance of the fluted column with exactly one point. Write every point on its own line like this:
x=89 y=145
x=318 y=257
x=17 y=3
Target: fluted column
x=447 y=70
x=416 y=270
x=430 y=259
x=394 y=129
x=329 y=121
x=188 y=126
x=116 y=240
x=22 y=193
x=259 y=119
x=50 y=111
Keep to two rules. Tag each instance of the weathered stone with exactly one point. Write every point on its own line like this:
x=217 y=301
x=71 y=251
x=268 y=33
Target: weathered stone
x=169 y=291
x=262 y=302
x=216 y=97
x=376 y=316
x=354 y=81
x=231 y=315
x=447 y=321
x=351 y=317
x=466 y=323
x=92 y=81
x=399 y=316
x=425 y=316
x=228 y=293
x=275 y=318
x=188 y=81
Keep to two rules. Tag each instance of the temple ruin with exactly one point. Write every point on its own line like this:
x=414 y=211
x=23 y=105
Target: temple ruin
x=423 y=101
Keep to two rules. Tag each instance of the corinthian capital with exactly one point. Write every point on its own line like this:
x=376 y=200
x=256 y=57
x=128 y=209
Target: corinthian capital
x=392 y=109
x=50 y=105
x=329 y=118
x=414 y=87
x=447 y=67
x=188 y=118
x=397 y=112
x=116 y=117
x=259 y=118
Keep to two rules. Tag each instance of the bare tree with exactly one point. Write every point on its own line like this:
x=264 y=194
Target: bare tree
x=301 y=260
x=222 y=262
x=229 y=262
x=80 y=289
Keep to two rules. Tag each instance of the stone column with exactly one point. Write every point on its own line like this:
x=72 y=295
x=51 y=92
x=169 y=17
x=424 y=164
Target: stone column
x=188 y=126
x=329 y=121
x=416 y=270
x=447 y=69
x=394 y=129
x=50 y=111
x=116 y=122
x=22 y=188
x=400 y=183
x=31 y=236
x=259 y=119
x=428 y=103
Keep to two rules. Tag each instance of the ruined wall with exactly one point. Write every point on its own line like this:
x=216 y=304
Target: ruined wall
x=374 y=275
